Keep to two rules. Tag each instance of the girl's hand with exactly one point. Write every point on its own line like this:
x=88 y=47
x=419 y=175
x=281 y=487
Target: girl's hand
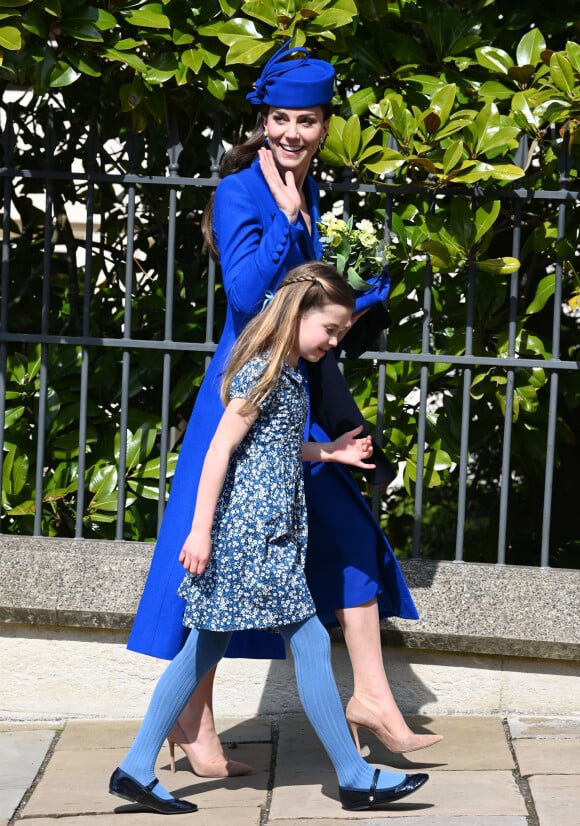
x=352 y=451
x=286 y=194
x=196 y=552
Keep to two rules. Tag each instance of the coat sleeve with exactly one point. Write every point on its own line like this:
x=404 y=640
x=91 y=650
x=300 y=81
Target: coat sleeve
x=254 y=239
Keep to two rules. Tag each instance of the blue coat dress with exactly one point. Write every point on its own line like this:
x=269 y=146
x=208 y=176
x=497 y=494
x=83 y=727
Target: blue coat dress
x=349 y=559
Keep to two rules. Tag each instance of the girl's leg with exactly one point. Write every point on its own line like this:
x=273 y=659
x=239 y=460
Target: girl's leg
x=194 y=731
x=373 y=705
x=310 y=646
x=202 y=650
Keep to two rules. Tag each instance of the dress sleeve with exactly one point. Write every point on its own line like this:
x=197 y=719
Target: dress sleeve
x=246 y=378
x=253 y=242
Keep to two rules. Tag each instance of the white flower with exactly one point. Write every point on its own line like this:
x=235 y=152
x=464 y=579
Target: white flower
x=365 y=226
x=334 y=229
x=366 y=234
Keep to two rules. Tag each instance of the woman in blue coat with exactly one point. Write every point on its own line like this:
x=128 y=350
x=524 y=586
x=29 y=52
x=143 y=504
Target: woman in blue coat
x=264 y=223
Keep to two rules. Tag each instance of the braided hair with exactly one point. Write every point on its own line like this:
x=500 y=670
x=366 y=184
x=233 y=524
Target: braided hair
x=272 y=333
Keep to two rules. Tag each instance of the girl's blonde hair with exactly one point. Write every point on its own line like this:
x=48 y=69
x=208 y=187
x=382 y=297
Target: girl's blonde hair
x=310 y=286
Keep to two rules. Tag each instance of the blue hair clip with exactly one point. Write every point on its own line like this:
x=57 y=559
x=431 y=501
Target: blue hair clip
x=267 y=298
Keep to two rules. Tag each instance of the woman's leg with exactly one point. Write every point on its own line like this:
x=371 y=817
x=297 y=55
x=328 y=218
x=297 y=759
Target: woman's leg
x=373 y=705
x=310 y=646
x=202 y=651
x=194 y=731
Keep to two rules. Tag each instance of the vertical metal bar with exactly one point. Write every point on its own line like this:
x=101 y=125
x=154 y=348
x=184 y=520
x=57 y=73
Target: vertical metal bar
x=549 y=477
x=8 y=144
x=465 y=418
x=173 y=152
x=423 y=394
x=564 y=161
x=346 y=205
x=87 y=294
x=216 y=152
x=381 y=385
x=504 y=488
x=382 y=368
x=44 y=327
x=126 y=358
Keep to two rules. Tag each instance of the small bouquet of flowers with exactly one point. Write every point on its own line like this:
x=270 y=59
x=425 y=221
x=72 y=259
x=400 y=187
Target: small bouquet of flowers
x=356 y=250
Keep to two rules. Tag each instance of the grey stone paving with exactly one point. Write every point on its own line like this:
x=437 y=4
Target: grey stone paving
x=21 y=755
x=480 y=775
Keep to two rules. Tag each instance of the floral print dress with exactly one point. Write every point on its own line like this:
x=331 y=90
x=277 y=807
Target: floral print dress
x=255 y=576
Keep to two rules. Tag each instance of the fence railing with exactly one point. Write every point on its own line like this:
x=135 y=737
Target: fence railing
x=102 y=170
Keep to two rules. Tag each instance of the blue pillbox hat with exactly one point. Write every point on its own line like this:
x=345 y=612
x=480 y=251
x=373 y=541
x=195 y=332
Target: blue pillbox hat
x=294 y=84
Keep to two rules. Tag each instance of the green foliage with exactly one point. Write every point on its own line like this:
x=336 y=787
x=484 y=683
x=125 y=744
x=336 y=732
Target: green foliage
x=60 y=473
x=453 y=100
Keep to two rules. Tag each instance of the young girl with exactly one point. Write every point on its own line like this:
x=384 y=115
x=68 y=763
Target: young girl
x=245 y=553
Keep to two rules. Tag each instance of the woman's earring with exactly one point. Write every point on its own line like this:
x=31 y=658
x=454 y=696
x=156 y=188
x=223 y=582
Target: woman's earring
x=265 y=138
x=322 y=144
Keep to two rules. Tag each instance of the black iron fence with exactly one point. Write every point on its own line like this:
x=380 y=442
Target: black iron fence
x=112 y=179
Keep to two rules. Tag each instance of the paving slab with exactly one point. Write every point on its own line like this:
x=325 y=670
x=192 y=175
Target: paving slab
x=95 y=735
x=461 y=793
x=76 y=782
x=557 y=799
x=21 y=756
x=300 y=751
x=298 y=746
x=209 y=817
x=388 y=819
x=530 y=727
x=472 y=780
x=223 y=793
x=113 y=734
x=548 y=756
x=447 y=794
x=469 y=744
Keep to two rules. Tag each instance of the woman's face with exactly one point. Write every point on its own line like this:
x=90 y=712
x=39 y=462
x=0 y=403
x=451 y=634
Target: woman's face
x=294 y=136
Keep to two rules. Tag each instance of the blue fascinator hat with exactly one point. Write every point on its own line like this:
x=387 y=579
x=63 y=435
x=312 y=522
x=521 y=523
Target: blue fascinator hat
x=296 y=83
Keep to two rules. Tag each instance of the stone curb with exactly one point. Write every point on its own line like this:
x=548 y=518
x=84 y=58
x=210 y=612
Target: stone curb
x=464 y=607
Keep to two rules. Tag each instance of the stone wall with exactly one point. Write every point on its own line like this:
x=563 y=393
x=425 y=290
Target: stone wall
x=491 y=639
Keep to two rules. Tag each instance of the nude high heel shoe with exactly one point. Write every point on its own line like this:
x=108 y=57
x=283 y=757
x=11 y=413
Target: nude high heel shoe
x=358 y=715
x=221 y=767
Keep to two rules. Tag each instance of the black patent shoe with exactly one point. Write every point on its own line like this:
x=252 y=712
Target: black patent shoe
x=359 y=800
x=123 y=785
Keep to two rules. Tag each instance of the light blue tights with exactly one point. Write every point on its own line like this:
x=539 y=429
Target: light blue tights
x=310 y=646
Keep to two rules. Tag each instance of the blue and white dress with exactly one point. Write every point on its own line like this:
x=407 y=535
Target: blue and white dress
x=255 y=577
